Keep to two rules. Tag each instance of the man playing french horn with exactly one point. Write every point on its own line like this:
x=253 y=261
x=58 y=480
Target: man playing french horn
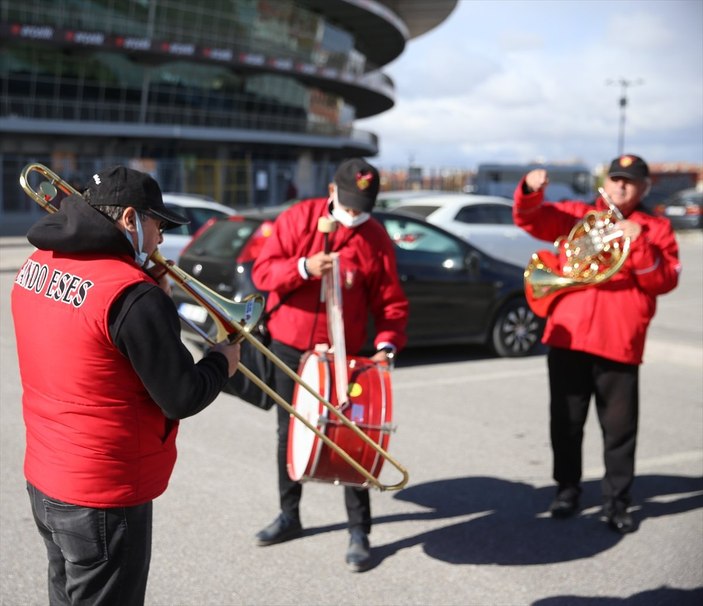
x=596 y=334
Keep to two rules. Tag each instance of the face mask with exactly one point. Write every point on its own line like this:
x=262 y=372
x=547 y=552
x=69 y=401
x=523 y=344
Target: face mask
x=139 y=255
x=343 y=217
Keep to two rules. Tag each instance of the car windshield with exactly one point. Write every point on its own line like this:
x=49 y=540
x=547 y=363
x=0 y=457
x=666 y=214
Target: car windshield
x=225 y=239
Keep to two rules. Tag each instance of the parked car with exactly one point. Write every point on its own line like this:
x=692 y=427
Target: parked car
x=457 y=293
x=486 y=222
x=387 y=200
x=199 y=210
x=684 y=209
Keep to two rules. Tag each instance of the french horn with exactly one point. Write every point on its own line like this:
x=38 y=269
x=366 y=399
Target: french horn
x=592 y=253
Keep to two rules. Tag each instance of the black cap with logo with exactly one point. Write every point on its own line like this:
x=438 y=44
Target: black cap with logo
x=630 y=167
x=357 y=184
x=122 y=186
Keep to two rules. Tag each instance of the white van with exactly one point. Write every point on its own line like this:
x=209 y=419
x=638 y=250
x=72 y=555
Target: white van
x=566 y=181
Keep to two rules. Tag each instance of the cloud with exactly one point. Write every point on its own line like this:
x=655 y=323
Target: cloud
x=442 y=70
x=492 y=90
x=521 y=41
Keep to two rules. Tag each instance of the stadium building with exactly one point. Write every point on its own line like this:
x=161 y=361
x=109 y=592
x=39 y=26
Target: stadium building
x=246 y=101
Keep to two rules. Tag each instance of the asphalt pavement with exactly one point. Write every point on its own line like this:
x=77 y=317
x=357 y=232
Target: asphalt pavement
x=470 y=527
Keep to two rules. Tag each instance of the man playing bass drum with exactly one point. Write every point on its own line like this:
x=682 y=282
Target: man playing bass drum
x=291 y=265
x=597 y=334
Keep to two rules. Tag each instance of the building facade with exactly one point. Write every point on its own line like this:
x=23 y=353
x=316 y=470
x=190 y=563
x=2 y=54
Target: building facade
x=245 y=101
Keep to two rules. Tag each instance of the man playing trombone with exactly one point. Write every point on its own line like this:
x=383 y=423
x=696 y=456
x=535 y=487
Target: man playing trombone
x=105 y=380
x=291 y=266
x=597 y=333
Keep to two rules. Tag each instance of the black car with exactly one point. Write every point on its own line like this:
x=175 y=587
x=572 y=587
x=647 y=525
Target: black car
x=457 y=293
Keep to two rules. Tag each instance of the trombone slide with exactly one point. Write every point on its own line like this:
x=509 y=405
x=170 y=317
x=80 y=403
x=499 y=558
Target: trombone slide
x=233 y=321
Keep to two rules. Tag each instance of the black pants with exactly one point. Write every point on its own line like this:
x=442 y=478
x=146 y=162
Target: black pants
x=356 y=500
x=573 y=378
x=97 y=557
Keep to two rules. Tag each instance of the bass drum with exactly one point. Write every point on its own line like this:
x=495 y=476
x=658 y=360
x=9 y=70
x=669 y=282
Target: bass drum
x=369 y=407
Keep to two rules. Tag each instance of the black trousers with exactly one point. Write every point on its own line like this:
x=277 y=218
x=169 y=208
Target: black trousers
x=574 y=377
x=356 y=500
x=97 y=557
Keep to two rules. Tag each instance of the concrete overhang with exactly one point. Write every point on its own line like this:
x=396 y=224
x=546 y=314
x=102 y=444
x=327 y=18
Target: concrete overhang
x=382 y=28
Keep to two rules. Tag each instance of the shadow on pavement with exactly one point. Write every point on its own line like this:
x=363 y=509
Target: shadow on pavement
x=662 y=596
x=508 y=524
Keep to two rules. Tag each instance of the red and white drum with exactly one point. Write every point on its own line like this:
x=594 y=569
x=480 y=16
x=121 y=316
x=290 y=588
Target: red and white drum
x=369 y=406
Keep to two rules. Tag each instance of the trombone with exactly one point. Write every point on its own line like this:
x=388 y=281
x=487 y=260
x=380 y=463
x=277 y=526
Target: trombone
x=224 y=314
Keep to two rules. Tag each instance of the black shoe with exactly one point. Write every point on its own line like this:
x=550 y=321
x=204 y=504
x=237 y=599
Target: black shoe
x=566 y=503
x=359 y=552
x=618 y=518
x=283 y=528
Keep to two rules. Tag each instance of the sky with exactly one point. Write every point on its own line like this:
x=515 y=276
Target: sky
x=522 y=81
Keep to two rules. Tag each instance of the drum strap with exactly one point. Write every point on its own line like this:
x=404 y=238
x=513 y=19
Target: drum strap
x=335 y=330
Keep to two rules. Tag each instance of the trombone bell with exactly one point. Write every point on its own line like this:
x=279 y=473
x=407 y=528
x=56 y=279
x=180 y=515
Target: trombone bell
x=229 y=318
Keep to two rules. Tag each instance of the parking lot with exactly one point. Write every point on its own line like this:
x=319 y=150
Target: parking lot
x=470 y=527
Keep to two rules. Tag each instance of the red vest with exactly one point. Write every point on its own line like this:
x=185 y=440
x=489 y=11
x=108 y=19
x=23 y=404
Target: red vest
x=94 y=436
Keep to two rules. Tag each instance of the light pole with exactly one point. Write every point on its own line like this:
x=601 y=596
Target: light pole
x=623 y=105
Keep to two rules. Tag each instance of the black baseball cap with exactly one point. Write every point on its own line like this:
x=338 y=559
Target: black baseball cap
x=122 y=186
x=357 y=184
x=630 y=167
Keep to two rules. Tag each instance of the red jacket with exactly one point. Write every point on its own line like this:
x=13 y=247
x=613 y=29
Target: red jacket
x=369 y=280
x=97 y=440
x=611 y=319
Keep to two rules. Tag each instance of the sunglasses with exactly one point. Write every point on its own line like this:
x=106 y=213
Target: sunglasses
x=163 y=225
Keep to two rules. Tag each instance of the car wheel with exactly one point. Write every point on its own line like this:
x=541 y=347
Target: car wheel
x=517 y=330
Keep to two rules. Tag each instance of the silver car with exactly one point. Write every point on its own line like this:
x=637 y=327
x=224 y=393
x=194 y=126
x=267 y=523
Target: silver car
x=485 y=222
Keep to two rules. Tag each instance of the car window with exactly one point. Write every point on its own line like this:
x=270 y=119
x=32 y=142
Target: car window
x=197 y=216
x=418 y=210
x=225 y=239
x=493 y=214
x=422 y=245
x=200 y=216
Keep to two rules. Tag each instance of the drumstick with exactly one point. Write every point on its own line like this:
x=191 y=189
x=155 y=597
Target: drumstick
x=326 y=225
